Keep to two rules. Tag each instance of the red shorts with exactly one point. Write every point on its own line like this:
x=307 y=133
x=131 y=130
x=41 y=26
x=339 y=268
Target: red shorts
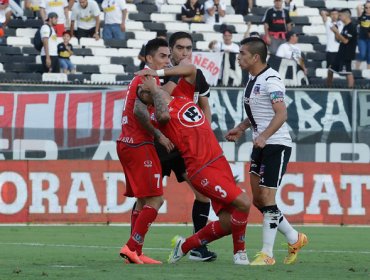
x=142 y=170
x=216 y=181
x=59 y=29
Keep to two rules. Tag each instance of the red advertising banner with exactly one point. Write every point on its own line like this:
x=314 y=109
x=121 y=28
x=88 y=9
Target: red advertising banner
x=77 y=191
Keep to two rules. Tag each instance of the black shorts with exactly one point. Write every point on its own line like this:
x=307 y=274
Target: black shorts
x=342 y=67
x=171 y=162
x=330 y=58
x=270 y=164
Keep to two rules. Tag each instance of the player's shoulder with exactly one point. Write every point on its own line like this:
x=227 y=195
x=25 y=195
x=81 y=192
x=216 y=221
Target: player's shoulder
x=269 y=74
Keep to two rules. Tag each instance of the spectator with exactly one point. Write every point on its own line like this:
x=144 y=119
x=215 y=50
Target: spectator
x=248 y=32
x=34 y=6
x=242 y=7
x=60 y=7
x=332 y=45
x=192 y=11
x=347 y=48
x=215 y=11
x=86 y=15
x=277 y=23
x=363 y=12
x=49 y=51
x=227 y=45
x=291 y=8
x=115 y=13
x=65 y=50
x=289 y=50
x=5 y=14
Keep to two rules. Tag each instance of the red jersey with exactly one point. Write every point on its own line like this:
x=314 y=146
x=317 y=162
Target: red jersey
x=131 y=130
x=191 y=133
x=184 y=88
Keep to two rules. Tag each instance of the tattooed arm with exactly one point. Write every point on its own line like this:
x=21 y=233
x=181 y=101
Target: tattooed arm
x=142 y=115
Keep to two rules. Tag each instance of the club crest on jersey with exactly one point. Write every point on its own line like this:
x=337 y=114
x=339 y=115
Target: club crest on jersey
x=148 y=163
x=204 y=182
x=256 y=89
x=124 y=120
x=190 y=115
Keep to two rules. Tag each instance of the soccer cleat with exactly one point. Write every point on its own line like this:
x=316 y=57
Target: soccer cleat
x=202 y=254
x=241 y=258
x=263 y=259
x=293 y=249
x=147 y=260
x=129 y=255
x=176 y=253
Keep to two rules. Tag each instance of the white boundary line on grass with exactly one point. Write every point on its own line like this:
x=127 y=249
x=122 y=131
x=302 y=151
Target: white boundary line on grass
x=164 y=249
x=160 y=225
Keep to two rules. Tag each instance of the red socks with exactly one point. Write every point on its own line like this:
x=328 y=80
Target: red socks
x=239 y=222
x=209 y=233
x=134 y=215
x=145 y=218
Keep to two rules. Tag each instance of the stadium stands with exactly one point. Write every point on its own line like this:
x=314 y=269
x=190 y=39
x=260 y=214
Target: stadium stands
x=115 y=60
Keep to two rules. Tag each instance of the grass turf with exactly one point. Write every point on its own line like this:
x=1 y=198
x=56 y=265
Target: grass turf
x=91 y=252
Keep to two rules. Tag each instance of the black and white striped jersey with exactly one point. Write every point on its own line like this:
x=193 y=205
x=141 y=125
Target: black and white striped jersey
x=261 y=92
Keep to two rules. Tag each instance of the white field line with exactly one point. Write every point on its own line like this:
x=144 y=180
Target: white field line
x=160 y=225
x=164 y=249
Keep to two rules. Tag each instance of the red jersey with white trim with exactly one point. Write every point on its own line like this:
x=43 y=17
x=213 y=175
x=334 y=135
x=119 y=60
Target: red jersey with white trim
x=131 y=130
x=191 y=133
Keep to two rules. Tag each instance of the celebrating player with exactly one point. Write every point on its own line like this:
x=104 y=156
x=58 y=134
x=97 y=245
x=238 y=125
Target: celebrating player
x=181 y=46
x=184 y=123
x=137 y=155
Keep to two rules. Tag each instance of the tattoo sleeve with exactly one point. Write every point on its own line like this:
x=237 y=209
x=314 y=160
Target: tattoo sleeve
x=142 y=115
x=161 y=108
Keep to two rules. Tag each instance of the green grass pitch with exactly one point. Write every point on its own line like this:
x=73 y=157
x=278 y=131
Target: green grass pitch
x=91 y=252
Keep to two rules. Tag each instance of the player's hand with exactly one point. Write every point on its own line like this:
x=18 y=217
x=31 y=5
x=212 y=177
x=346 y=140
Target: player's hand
x=259 y=142
x=146 y=72
x=185 y=61
x=234 y=134
x=149 y=83
x=165 y=142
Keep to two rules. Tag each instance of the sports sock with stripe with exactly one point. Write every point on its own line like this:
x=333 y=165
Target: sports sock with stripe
x=209 y=233
x=239 y=222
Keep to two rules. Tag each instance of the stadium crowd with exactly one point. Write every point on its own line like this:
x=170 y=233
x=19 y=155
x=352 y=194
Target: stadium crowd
x=278 y=22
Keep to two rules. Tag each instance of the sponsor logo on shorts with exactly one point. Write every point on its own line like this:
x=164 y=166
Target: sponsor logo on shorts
x=148 y=163
x=204 y=182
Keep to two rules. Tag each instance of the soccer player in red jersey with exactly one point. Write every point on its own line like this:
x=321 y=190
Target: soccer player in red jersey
x=135 y=149
x=184 y=123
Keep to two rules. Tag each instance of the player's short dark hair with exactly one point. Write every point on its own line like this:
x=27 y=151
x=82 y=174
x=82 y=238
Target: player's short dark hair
x=153 y=45
x=177 y=36
x=256 y=46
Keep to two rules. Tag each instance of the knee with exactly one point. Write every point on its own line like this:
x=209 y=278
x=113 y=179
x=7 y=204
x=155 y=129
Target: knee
x=243 y=203
x=155 y=202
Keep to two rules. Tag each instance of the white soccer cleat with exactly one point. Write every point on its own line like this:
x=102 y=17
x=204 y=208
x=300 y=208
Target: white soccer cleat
x=176 y=253
x=241 y=258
